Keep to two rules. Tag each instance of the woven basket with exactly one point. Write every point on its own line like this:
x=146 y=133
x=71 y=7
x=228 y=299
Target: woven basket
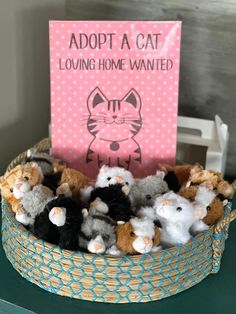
x=126 y=279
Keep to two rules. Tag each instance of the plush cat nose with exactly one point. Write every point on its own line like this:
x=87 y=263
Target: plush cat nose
x=114 y=117
x=18 y=185
x=165 y=201
x=119 y=179
x=146 y=240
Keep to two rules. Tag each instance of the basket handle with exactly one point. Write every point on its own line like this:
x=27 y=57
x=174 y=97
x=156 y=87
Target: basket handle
x=41 y=146
x=225 y=221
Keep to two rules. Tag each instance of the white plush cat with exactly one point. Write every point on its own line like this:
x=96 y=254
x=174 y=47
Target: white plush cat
x=108 y=176
x=177 y=215
x=113 y=175
x=203 y=197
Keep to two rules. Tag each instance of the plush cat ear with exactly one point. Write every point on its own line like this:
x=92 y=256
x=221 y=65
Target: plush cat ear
x=225 y=202
x=2 y=179
x=34 y=165
x=160 y=174
x=104 y=168
x=133 y=98
x=95 y=98
x=196 y=169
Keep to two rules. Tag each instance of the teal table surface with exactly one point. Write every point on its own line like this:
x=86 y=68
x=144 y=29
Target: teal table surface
x=216 y=294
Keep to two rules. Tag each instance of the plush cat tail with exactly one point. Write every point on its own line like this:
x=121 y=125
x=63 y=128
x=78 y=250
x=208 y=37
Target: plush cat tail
x=95 y=98
x=133 y=98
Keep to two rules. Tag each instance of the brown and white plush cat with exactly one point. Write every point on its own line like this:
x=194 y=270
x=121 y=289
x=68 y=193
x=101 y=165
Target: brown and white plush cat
x=114 y=124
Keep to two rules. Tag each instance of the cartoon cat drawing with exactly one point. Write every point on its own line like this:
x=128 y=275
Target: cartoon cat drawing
x=114 y=124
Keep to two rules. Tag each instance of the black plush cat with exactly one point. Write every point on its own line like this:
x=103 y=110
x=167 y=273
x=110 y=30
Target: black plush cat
x=118 y=203
x=67 y=218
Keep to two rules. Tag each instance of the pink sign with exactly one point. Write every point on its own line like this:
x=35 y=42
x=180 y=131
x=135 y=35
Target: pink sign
x=114 y=93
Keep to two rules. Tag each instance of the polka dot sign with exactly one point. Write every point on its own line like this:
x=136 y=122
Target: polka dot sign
x=114 y=93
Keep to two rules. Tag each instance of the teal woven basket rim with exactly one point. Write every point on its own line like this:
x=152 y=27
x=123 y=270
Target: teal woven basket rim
x=183 y=279
x=110 y=279
x=138 y=257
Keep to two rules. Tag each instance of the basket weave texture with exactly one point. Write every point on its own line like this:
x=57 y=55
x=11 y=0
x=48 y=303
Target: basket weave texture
x=104 y=278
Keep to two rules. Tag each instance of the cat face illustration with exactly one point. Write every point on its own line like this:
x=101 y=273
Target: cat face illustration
x=114 y=120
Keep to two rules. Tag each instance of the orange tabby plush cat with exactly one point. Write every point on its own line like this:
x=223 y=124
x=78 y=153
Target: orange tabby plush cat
x=19 y=180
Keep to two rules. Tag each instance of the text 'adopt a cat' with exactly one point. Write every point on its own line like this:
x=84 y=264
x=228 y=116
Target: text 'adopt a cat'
x=114 y=93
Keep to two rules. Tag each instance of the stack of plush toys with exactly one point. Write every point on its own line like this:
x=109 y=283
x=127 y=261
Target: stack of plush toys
x=116 y=214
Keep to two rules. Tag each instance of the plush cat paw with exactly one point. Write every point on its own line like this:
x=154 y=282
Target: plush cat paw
x=125 y=189
x=113 y=250
x=57 y=216
x=99 y=205
x=84 y=212
x=96 y=245
x=198 y=226
x=156 y=248
x=22 y=217
x=64 y=189
x=85 y=193
x=143 y=245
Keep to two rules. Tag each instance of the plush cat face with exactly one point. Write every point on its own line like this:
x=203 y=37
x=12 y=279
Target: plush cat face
x=136 y=236
x=114 y=120
x=176 y=209
x=199 y=176
x=20 y=180
x=145 y=191
x=113 y=175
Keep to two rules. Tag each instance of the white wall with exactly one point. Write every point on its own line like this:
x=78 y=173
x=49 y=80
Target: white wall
x=24 y=73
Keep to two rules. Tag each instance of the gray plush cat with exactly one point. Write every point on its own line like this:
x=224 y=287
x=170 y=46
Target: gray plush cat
x=45 y=161
x=33 y=203
x=145 y=191
x=97 y=233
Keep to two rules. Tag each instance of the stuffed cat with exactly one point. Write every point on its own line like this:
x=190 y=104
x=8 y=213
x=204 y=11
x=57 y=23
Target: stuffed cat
x=177 y=215
x=115 y=200
x=138 y=236
x=211 y=178
x=145 y=191
x=60 y=222
x=18 y=181
x=215 y=210
x=46 y=162
x=33 y=203
x=109 y=176
x=97 y=233
x=178 y=175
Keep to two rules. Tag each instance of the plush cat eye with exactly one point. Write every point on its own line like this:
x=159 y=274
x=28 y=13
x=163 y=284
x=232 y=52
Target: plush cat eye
x=109 y=178
x=179 y=209
x=208 y=208
x=11 y=190
x=127 y=183
x=132 y=234
x=26 y=178
x=148 y=197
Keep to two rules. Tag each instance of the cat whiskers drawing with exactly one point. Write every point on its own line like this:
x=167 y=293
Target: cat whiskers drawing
x=114 y=124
